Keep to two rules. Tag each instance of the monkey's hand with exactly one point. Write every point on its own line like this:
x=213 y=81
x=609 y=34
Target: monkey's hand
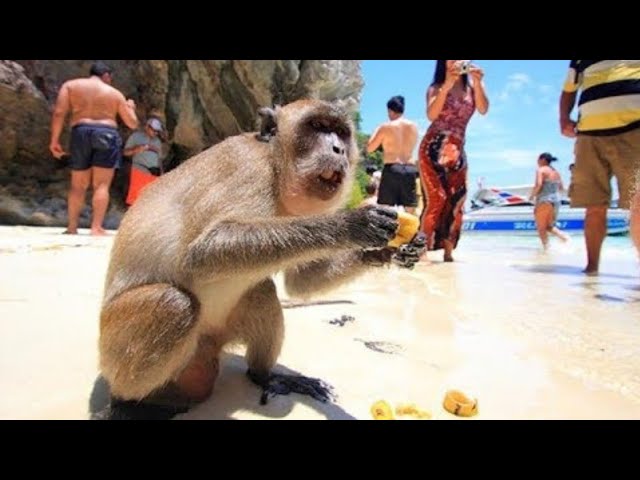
x=408 y=255
x=281 y=384
x=372 y=226
x=378 y=257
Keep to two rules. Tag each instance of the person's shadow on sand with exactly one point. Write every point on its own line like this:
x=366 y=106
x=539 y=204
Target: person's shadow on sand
x=620 y=281
x=233 y=392
x=566 y=270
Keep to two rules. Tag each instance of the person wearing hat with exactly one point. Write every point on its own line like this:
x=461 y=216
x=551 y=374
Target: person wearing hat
x=145 y=149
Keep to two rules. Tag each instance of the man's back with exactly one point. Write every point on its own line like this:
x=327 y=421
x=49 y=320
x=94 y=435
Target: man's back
x=93 y=101
x=399 y=138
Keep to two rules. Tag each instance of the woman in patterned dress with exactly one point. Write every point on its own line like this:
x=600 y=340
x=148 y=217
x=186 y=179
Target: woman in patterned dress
x=451 y=101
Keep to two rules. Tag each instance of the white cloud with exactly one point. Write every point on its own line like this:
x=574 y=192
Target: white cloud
x=518 y=80
x=503 y=96
x=482 y=126
x=520 y=87
x=545 y=89
x=518 y=157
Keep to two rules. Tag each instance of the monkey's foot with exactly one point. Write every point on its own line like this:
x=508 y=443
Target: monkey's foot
x=281 y=384
x=135 y=410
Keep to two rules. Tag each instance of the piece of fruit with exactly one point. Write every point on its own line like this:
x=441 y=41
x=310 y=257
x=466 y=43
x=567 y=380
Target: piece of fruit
x=422 y=415
x=408 y=226
x=410 y=409
x=382 y=411
x=460 y=404
x=406 y=409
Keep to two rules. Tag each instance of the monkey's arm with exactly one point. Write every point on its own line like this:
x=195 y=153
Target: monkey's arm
x=329 y=273
x=276 y=244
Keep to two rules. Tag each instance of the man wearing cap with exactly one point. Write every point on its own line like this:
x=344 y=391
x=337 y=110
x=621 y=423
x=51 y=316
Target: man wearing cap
x=96 y=147
x=145 y=149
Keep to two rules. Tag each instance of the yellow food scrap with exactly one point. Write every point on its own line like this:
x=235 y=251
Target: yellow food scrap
x=410 y=409
x=460 y=404
x=408 y=226
x=382 y=411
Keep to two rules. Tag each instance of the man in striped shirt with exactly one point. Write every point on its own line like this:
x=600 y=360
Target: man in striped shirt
x=607 y=143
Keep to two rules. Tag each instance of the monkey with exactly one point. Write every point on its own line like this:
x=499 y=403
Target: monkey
x=192 y=264
x=267 y=125
x=634 y=215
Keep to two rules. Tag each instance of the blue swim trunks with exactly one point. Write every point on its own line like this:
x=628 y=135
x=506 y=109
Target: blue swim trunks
x=94 y=145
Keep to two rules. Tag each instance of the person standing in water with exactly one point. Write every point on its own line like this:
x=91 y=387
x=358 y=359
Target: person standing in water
x=547 y=195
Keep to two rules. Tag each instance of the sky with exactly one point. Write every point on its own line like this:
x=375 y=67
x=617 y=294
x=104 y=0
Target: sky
x=502 y=146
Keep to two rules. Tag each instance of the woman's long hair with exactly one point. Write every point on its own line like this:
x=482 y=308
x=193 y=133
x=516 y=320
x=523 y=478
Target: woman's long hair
x=441 y=73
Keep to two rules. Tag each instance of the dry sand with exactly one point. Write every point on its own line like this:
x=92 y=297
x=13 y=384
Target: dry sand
x=527 y=334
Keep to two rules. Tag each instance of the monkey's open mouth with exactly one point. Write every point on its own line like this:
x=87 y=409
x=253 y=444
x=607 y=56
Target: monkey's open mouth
x=331 y=178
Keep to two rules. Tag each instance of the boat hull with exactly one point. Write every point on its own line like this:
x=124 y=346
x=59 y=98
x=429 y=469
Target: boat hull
x=520 y=220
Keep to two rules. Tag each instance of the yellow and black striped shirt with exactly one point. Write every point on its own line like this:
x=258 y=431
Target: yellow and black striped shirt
x=610 y=95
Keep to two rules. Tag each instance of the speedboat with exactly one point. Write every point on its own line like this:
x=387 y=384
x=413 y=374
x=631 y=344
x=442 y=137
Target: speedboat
x=508 y=210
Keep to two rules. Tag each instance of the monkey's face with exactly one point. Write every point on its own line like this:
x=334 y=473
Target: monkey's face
x=321 y=154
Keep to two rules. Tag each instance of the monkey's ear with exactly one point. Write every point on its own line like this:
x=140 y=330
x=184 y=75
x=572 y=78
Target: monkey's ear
x=268 y=124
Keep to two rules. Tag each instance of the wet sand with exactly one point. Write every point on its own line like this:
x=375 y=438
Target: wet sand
x=525 y=333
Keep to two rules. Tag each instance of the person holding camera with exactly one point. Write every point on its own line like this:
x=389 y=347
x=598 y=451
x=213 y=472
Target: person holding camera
x=145 y=149
x=451 y=101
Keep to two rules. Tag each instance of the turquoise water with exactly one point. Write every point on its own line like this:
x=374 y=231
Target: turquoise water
x=614 y=244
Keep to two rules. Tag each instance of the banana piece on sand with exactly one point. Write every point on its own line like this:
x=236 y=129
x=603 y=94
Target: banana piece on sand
x=381 y=410
x=460 y=404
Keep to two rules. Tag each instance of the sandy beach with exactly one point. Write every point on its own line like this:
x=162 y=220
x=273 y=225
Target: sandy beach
x=524 y=332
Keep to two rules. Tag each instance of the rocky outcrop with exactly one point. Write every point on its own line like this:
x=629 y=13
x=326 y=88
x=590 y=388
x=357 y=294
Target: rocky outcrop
x=201 y=102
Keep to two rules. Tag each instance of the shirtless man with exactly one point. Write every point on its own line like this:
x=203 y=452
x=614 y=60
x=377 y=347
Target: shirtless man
x=398 y=138
x=96 y=146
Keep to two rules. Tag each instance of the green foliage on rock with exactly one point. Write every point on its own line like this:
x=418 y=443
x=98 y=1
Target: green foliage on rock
x=358 y=192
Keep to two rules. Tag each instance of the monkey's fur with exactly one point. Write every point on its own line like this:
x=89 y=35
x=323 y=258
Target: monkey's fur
x=192 y=262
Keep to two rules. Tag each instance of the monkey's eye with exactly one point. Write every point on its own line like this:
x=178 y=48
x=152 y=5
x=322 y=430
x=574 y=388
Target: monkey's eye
x=343 y=131
x=320 y=126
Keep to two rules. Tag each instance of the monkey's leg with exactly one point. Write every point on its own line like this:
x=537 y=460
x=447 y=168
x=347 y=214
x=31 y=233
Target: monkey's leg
x=259 y=322
x=147 y=339
x=194 y=384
